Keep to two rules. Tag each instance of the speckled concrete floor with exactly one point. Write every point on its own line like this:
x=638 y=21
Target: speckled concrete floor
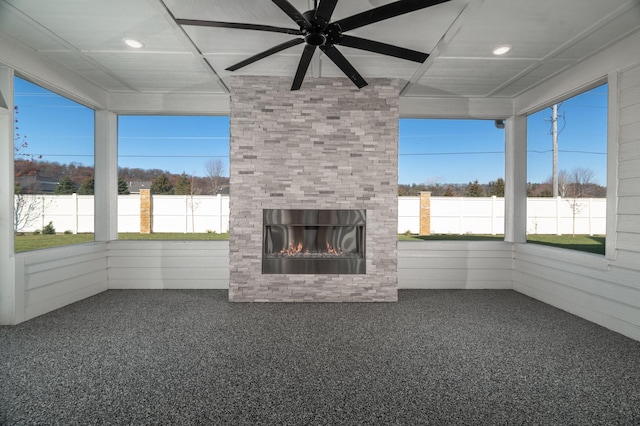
x=435 y=357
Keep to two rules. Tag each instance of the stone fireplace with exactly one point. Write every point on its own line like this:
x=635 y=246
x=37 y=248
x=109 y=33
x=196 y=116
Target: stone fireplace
x=299 y=162
x=310 y=241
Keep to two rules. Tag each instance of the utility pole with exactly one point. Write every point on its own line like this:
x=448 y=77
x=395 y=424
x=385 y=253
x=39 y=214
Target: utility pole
x=554 y=134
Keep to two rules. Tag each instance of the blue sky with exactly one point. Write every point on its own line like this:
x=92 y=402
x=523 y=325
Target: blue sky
x=582 y=138
x=431 y=151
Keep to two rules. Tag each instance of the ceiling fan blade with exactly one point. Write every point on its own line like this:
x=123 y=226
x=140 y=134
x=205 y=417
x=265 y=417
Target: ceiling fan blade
x=305 y=60
x=325 y=10
x=342 y=63
x=293 y=13
x=199 y=23
x=382 y=48
x=274 y=49
x=384 y=12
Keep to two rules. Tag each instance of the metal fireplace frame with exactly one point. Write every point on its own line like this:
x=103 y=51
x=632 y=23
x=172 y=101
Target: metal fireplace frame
x=278 y=224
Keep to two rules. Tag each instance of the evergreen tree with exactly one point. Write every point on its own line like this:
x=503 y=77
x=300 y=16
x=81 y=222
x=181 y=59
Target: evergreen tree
x=162 y=185
x=497 y=188
x=448 y=192
x=65 y=186
x=183 y=185
x=474 y=189
x=123 y=188
x=87 y=187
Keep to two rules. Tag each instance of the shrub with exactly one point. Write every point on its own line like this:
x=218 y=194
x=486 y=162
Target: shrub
x=49 y=229
x=36 y=232
x=68 y=232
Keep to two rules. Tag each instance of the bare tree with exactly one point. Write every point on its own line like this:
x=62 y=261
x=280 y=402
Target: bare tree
x=26 y=210
x=26 y=206
x=563 y=183
x=193 y=204
x=215 y=171
x=580 y=179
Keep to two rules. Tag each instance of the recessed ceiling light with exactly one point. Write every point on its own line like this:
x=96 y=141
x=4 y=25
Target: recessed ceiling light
x=501 y=50
x=133 y=43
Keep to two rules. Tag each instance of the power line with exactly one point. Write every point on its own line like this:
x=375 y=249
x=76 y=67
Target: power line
x=135 y=156
x=454 y=153
x=566 y=150
x=175 y=137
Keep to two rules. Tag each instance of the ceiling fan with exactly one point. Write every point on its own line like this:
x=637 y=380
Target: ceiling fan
x=317 y=31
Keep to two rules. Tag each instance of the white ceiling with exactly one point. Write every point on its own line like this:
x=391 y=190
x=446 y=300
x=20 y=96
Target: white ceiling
x=85 y=36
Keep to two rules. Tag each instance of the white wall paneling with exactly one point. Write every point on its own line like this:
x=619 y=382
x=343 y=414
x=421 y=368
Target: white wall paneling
x=168 y=265
x=455 y=264
x=52 y=278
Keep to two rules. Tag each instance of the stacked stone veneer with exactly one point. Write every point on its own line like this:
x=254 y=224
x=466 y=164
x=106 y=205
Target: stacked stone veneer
x=326 y=146
x=425 y=213
x=145 y=211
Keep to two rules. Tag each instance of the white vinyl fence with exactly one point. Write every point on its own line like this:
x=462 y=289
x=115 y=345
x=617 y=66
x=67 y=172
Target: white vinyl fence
x=485 y=215
x=171 y=213
x=210 y=213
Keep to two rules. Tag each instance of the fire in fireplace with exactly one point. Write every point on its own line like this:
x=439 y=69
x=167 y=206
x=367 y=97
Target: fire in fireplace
x=313 y=241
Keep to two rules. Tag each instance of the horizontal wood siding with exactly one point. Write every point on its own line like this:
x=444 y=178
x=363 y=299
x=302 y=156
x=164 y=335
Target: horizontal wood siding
x=628 y=220
x=584 y=284
x=603 y=290
x=53 y=278
x=455 y=265
x=168 y=265
x=190 y=265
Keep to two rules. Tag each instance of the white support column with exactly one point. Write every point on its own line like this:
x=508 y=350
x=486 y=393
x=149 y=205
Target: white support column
x=515 y=215
x=106 y=176
x=612 y=166
x=7 y=257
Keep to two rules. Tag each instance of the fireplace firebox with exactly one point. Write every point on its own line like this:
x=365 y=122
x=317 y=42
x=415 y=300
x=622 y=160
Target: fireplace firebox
x=314 y=241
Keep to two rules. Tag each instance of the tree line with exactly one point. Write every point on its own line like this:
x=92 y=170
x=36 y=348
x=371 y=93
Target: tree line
x=71 y=178
x=577 y=183
x=471 y=189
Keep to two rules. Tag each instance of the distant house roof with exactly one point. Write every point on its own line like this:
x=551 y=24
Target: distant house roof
x=136 y=185
x=36 y=184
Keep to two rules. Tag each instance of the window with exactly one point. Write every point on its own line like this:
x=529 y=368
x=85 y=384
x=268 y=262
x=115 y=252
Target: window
x=173 y=177
x=566 y=204
x=461 y=163
x=54 y=158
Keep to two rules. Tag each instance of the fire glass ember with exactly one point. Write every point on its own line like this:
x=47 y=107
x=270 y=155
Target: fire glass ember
x=314 y=241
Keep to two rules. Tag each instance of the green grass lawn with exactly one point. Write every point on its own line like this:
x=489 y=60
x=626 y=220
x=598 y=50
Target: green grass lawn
x=591 y=244
x=29 y=242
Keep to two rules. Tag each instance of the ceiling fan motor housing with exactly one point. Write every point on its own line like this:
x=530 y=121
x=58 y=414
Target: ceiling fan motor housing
x=315 y=39
x=314 y=36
